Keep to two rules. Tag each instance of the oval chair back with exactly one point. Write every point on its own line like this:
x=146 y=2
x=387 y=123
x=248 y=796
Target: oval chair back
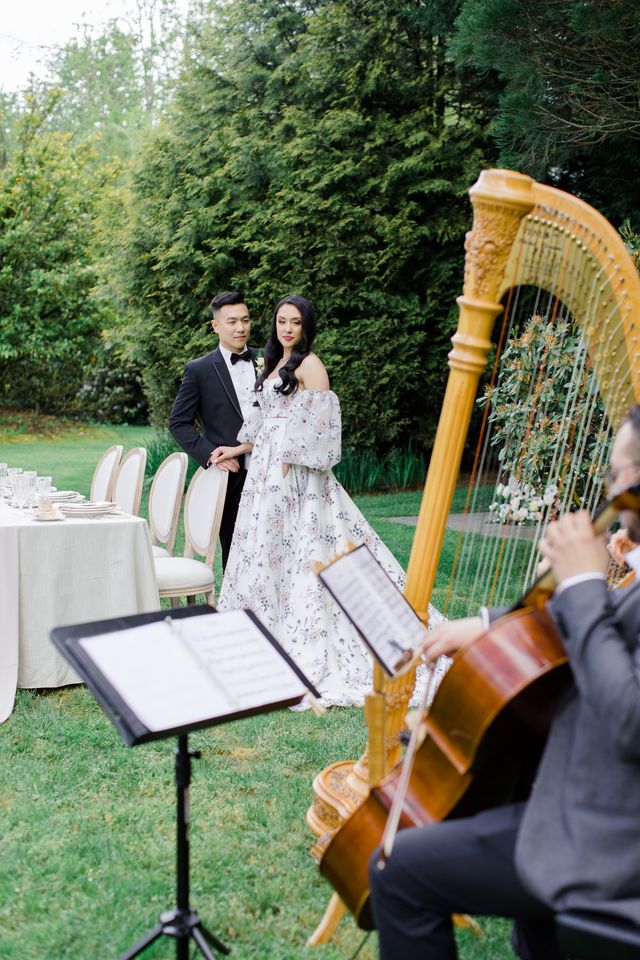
x=165 y=499
x=105 y=473
x=203 y=508
x=127 y=490
x=203 y=505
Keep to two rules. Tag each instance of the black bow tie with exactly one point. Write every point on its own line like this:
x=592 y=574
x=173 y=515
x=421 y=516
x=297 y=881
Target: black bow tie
x=240 y=356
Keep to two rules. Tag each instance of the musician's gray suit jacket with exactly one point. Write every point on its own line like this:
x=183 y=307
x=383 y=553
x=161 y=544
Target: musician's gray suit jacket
x=579 y=841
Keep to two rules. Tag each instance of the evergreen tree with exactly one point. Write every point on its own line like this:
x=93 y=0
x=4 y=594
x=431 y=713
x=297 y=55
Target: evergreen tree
x=324 y=148
x=111 y=82
x=570 y=111
x=50 y=191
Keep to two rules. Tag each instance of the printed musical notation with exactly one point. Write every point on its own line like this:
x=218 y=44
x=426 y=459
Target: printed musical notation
x=177 y=672
x=381 y=615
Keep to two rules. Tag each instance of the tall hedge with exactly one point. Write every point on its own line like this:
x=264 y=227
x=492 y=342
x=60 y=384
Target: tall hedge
x=324 y=149
x=50 y=191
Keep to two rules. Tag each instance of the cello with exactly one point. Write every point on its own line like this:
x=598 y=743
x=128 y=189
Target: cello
x=483 y=735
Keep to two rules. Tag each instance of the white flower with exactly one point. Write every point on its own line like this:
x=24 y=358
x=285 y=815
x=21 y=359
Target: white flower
x=503 y=511
x=260 y=364
x=513 y=484
x=500 y=489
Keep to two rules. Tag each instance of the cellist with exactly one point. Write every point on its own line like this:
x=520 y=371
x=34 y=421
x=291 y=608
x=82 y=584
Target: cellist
x=575 y=843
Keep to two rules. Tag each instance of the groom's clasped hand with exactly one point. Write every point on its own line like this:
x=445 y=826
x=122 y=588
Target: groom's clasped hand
x=225 y=458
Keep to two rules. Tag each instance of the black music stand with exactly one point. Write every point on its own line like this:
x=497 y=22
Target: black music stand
x=74 y=643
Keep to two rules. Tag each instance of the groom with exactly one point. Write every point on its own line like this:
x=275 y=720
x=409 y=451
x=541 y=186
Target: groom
x=214 y=398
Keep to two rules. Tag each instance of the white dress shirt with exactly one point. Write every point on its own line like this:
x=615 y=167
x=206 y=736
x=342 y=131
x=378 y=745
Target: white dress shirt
x=243 y=377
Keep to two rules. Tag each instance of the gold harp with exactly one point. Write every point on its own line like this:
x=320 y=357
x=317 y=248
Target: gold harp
x=524 y=234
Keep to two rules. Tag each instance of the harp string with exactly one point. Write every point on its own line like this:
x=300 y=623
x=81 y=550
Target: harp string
x=493 y=565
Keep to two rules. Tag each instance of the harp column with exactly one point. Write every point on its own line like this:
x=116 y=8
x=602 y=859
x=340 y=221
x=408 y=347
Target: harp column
x=500 y=199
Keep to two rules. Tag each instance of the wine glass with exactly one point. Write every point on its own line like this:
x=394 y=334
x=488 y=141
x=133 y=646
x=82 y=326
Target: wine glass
x=43 y=486
x=14 y=473
x=30 y=479
x=21 y=491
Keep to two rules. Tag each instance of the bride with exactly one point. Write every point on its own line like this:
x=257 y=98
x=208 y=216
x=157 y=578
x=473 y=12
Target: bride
x=294 y=514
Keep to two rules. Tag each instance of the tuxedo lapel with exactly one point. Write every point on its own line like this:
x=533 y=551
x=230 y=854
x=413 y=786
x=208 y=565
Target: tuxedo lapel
x=220 y=368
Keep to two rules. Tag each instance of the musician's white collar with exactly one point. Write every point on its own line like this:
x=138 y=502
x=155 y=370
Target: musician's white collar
x=632 y=559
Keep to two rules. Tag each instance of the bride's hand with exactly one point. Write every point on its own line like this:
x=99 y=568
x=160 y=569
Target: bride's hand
x=285 y=469
x=226 y=459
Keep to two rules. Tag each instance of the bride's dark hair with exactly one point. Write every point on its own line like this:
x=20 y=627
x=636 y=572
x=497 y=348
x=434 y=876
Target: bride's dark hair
x=273 y=348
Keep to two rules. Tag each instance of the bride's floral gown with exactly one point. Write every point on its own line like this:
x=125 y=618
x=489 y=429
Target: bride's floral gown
x=288 y=524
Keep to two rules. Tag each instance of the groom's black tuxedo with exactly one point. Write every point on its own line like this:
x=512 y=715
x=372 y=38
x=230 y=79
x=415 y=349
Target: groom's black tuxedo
x=207 y=399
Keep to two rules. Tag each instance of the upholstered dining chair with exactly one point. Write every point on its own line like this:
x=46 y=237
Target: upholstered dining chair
x=165 y=500
x=127 y=489
x=104 y=474
x=185 y=576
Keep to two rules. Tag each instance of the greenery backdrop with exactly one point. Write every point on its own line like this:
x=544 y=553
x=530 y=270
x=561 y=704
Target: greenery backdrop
x=322 y=146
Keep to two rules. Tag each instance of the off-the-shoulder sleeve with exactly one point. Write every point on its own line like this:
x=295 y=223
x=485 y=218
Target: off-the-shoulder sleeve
x=313 y=432
x=251 y=426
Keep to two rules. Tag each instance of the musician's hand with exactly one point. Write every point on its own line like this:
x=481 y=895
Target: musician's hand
x=450 y=637
x=572 y=548
x=619 y=544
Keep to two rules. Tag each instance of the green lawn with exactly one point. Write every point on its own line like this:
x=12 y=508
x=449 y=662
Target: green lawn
x=87 y=824
x=69 y=456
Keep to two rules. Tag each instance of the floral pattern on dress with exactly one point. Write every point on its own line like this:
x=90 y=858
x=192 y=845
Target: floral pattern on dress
x=288 y=524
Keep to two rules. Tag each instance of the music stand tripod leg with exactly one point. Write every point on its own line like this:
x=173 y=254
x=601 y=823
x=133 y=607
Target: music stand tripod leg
x=182 y=923
x=143 y=943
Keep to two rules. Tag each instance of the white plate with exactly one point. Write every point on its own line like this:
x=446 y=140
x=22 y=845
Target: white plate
x=88 y=513
x=55 y=516
x=78 y=509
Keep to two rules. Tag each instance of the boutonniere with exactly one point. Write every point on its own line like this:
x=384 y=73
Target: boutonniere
x=259 y=362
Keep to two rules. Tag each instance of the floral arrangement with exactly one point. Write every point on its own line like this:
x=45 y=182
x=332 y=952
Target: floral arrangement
x=520 y=503
x=546 y=385
x=259 y=362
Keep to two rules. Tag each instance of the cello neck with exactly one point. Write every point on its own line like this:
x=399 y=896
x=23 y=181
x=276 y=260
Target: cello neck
x=545 y=585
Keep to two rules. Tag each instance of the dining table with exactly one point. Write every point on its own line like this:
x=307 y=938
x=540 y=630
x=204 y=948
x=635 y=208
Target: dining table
x=74 y=570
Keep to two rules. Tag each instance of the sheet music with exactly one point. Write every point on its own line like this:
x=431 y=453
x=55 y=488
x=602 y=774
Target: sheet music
x=375 y=606
x=192 y=669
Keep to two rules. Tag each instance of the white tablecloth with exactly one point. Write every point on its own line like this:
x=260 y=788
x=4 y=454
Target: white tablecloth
x=57 y=573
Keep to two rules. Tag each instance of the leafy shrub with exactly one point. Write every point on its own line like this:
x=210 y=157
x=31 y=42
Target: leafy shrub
x=358 y=471
x=112 y=390
x=364 y=471
x=161 y=447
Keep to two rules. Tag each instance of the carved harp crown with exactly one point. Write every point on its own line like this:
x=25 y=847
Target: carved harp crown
x=526 y=235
